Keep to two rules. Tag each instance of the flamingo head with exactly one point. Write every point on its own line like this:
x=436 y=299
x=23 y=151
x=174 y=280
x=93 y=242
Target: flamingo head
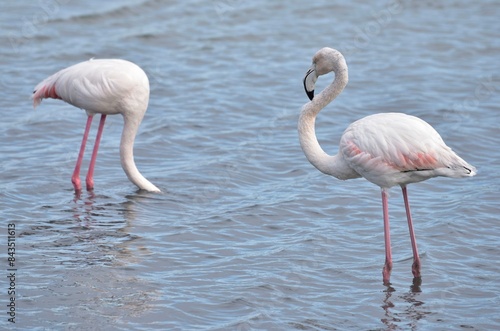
x=324 y=61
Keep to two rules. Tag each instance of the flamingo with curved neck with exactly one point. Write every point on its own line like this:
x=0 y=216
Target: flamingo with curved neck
x=387 y=149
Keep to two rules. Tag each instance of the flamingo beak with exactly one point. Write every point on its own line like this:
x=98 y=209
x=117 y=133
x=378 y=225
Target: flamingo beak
x=310 y=81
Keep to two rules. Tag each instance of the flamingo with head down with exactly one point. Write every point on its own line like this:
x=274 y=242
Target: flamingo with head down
x=105 y=87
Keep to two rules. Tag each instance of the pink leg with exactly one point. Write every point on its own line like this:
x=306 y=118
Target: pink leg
x=75 y=179
x=386 y=272
x=90 y=173
x=416 y=259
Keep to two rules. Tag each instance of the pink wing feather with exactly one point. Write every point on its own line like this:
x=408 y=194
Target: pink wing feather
x=44 y=90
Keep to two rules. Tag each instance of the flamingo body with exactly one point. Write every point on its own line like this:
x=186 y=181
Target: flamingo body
x=391 y=149
x=106 y=87
x=97 y=86
x=387 y=149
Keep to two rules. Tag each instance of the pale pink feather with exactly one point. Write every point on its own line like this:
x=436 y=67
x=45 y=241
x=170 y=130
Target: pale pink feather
x=394 y=148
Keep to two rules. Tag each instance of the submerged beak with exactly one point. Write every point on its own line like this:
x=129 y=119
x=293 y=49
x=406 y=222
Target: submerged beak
x=310 y=81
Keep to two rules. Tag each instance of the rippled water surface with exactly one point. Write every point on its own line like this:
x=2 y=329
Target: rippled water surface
x=247 y=235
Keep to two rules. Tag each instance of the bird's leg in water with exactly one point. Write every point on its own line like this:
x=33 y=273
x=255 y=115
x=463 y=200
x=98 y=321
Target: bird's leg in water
x=386 y=272
x=90 y=174
x=416 y=259
x=75 y=179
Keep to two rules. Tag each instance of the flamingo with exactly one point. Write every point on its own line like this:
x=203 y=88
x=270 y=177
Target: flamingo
x=387 y=149
x=106 y=87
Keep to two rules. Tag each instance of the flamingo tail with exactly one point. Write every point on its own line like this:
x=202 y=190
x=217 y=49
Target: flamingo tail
x=44 y=90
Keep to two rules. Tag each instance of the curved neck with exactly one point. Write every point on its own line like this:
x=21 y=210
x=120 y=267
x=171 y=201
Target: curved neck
x=309 y=143
x=130 y=127
x=330 y=165
x=330 y=92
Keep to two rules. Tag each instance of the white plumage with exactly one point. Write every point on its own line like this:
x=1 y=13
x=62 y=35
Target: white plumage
x=387 y=149
x=106 y=87
x=391 y=149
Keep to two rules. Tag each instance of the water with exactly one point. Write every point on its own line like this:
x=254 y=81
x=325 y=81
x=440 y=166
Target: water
x=247 y=235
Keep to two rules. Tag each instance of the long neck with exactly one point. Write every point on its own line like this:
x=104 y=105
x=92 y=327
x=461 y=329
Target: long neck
x=330 y=165
x=130 y=127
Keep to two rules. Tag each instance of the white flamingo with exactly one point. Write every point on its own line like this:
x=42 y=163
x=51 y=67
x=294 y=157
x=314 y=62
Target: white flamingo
x=387 y=149
x=105 y=87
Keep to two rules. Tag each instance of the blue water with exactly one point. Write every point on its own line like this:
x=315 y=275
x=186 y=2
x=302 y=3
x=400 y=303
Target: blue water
x=247 y=235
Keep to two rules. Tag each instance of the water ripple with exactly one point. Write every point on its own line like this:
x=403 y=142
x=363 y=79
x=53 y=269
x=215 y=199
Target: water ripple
x=247 y=235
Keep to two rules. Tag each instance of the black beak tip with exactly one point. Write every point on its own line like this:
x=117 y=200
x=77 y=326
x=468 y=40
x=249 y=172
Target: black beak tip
x=310 y=94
